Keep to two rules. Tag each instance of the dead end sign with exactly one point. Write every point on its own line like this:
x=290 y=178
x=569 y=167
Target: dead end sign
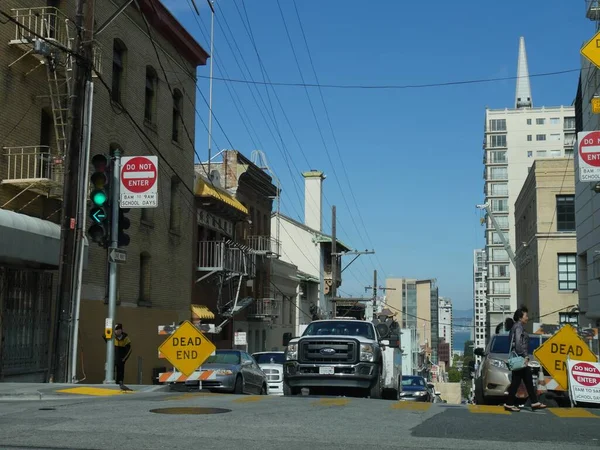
x=139 y=182
x=553 y=353
x=187 y=348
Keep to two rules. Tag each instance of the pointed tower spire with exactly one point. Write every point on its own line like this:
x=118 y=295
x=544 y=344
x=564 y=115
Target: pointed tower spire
x=523 y=93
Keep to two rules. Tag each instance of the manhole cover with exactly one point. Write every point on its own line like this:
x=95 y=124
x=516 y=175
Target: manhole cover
x=190 y=411
x=47 y=409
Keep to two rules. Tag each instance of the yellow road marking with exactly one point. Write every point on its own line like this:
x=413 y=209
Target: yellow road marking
x=569 y=413
x=412 y=406
x=92 y=391
x=331 y=402
x=488 y=409
x=251 y=398
x=189 y=395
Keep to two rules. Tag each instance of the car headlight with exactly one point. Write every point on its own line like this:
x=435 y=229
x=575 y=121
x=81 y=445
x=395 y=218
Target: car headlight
x=498 y=363
x=223 y=372
x=420 y=393
x=292 y=352
x=367 y=353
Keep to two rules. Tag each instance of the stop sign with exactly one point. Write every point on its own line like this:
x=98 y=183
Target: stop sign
x=589 y=148
x=586 y=374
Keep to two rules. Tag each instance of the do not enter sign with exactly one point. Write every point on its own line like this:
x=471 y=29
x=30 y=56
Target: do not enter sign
x=584 y=381
x=585 y=374
x=589 y=155
x=139 y=187
x=187 y=348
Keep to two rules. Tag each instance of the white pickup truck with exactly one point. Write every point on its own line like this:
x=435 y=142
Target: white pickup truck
x=344 y=353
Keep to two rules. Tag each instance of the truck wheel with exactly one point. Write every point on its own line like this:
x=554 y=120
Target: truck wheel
x=375 y=391
x=289 y=391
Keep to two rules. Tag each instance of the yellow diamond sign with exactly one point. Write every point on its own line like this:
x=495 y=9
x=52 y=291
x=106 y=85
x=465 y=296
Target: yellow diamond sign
x=596 y=105
x=187 y=348
x=553 y=353
x=591 y=50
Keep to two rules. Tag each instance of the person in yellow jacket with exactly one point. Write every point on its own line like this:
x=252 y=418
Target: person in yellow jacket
x=122 y=352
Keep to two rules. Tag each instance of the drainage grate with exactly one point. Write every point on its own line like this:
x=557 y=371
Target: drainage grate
x=190 y=411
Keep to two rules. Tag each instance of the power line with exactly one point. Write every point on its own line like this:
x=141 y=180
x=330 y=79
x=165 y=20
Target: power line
x=391 y=86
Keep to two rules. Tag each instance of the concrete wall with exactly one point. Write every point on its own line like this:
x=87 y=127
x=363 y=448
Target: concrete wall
x=424 y=312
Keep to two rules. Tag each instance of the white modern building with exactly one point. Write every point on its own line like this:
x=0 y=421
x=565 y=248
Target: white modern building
x=479 y=297
x=445 y=328
x=410 y=351
x=514 y=139
x=587 y=200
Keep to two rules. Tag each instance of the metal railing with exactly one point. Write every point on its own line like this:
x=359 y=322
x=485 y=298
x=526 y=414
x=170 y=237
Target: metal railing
x=263 y=244
x=46 y=21
x=218 y=255
x=30 y=164
x=266 y=307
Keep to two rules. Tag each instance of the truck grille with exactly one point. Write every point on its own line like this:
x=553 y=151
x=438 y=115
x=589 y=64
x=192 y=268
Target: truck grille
x=343 y=352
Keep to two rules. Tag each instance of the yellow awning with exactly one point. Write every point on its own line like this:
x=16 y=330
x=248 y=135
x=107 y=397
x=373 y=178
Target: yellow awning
x=202 y=312
x=204 y=189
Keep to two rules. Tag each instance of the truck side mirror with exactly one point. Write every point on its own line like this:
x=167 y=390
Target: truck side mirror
x=394 y=340
x=287 y=337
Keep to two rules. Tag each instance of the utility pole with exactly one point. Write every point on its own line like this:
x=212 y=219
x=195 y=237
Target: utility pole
x=374 y=288
x=210 y=88
x=334 y=257
x=84 y=21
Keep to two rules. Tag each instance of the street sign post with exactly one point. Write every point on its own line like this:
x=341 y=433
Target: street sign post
x=553 y=353
x=588 y=143
x=117 y=255
x=591 y=50
x=187 y=348
x=584 y=380
x=139 y=182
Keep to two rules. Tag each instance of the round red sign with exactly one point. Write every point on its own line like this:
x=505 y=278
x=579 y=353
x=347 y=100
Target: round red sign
x=138 y=175
x=586 y=374
x=589 y=148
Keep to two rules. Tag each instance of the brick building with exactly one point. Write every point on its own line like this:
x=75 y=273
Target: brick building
x=155 y=284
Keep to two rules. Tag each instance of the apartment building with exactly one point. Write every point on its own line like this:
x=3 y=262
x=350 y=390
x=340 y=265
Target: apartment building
x=545 y=227
x=479 y=297
x=445 y=325
x=37 y=82
x=587 y=203
x=514 y=139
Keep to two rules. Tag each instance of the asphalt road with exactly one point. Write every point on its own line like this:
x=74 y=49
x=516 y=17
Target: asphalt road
x=127 y=421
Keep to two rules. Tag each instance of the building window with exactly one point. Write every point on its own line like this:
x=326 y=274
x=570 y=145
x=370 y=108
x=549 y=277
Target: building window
x=555 y=121
x=541 y=153
x=529 y=154
x=565 y=213
x=498 y=173
x=499 y=254
x=496 y=239
x=150 y=97
x=540 y=137
x=540 y=121
x=175 y=207
x=498 y=157
x=568 y=152
x=502 y=222
x=569 y=123
x=528 y=121
x=567 y=272
x=529 y=138
x=499 y=189
x=498 y=125
x=176 y=125
x=118 y=70
x=500 y=205
x=500 y=271
x=498 y=140
x=145 y=278
x=555 y=153
x=554 y=137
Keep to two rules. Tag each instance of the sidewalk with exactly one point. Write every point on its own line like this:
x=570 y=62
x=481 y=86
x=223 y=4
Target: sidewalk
x=60 y=391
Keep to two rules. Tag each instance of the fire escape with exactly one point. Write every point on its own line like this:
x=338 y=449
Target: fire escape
x=267 y=306
x=34 y=167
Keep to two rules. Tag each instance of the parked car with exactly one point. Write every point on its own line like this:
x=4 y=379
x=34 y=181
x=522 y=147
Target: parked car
x=271 y=364
x=414 y=388
x=493 y=377
x=233 y=371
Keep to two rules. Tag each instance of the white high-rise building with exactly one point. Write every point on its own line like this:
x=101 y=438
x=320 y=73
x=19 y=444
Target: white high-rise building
x=514 y=139
x=479 y=297
x=445 y=329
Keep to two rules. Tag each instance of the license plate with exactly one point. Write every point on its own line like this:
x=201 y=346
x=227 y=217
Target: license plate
x=326 y=370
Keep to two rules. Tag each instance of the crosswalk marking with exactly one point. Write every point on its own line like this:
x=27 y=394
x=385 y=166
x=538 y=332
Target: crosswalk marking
x=412 y=406
x=488 y=409
x=331 y=402
x=575 y=413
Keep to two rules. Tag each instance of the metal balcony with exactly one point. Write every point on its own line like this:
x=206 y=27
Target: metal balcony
x=37 y=168
x=266 y=307
x=216 y=256
x=592 y=9
x=264 y=245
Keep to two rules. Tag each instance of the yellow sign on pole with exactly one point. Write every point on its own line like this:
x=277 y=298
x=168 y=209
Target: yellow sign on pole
x=554 y=352
x=596 y=105
x=591 y=50
x=187 y=348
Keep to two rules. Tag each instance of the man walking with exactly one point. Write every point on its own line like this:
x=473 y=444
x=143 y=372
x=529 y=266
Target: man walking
x=122 y=352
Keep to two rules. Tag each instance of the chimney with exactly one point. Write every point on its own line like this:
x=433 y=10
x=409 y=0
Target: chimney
x=313 y=199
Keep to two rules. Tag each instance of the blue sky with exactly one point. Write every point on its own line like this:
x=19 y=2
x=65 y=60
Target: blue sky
x=413 y=157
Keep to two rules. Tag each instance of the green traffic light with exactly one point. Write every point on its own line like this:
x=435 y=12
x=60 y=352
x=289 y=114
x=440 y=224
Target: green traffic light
x=99 y=197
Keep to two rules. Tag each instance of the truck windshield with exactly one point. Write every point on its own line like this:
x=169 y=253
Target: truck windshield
x=269 y=358
x=340 y=328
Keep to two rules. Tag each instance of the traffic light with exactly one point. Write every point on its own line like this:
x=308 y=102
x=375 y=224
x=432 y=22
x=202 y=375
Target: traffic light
x=99 y=230
x=124 y=224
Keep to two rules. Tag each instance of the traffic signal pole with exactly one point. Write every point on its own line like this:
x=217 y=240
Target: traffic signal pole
x=109 y=375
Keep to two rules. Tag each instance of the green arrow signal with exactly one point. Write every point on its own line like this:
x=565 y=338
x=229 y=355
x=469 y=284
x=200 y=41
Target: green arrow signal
x=98 y=215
